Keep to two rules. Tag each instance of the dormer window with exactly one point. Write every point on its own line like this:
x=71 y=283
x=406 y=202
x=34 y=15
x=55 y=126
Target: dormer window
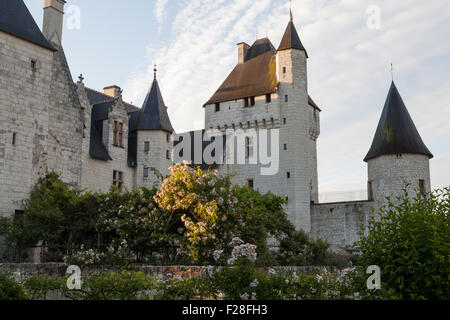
x=217 y=107
x=118 y=134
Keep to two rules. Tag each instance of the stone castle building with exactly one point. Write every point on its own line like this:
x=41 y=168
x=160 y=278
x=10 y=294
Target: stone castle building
x=94 y=139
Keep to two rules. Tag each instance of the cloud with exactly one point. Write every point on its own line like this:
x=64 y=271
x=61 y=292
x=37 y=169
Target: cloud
x=348 y=69
x=160 y=10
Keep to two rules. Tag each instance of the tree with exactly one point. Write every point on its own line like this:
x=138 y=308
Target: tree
x=409 y=239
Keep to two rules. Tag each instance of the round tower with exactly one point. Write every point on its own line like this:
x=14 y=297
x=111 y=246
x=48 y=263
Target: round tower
x=398 y=157
x=153 y=135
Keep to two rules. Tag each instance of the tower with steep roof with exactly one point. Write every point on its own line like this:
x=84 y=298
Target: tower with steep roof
x=398 y=156
x=152 y=132
x=301 y=127
x=268 y=89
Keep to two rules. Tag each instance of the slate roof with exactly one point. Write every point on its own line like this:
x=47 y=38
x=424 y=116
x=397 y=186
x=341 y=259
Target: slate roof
x=153 y=114
x=16 y=19
x=132 y=139
x=258 y=48
x=396 y=132
x=96 y=97
x=96 y=148
x=291 y=40
x=101 y=103
x=312 y=103
x=255 y=77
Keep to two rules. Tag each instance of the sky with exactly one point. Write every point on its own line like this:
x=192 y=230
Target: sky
x=350 y=43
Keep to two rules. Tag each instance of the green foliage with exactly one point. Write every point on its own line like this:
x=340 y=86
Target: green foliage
x=192 y=218
x=38 y=288
x=244 y=281
x=46 y=218
x=410 y=240
x=11 y=289
x=126 y=285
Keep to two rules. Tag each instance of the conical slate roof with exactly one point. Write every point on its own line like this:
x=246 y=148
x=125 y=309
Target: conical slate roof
x=396 y=132
x=15 y=19
x=291 y=40
x=153 y=114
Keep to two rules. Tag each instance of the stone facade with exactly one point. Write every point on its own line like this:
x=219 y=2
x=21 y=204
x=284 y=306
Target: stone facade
x=389 y=175
x=298 y=123
x=40 y=120
x=339 y=223
x=159 y=157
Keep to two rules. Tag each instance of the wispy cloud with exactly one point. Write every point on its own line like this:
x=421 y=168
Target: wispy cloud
x=160 y=10
x=348 y=69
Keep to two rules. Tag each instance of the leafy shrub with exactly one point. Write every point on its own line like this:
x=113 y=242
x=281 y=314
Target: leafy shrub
x=244 y=281
x=191 y=219
x=11 y=289
x=126 y=285
x=39 y=287
x=410 y=240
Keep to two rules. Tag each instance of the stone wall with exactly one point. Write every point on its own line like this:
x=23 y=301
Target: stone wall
x=389 y=175
x=160 y=143
x=39 y=109
x=339 y=223
x=54 y=270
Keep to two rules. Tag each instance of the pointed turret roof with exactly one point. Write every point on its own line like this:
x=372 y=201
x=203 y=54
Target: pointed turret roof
x=16 y=19
x=291 y=40
x=153 y=114
x=396 y=132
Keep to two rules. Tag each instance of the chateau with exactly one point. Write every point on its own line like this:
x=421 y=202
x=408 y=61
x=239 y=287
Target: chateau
x=94 y=139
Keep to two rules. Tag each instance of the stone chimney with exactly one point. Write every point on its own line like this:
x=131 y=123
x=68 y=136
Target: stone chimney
x=112 y=91
x=53 y=21
x=242 y=51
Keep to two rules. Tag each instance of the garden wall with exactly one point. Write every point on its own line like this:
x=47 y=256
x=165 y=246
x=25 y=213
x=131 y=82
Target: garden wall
x=53 y=270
